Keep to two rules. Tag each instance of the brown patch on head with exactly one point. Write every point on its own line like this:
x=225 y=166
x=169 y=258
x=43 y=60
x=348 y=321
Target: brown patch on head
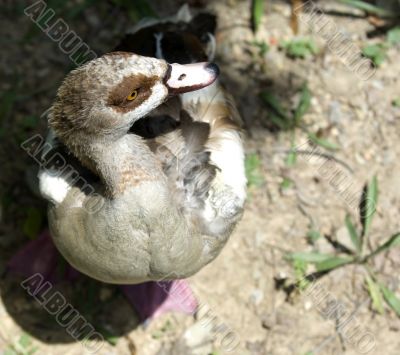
x=118 y=98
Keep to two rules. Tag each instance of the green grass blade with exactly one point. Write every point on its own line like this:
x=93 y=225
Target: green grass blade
x=376 y=295
x=304 y=104
x=353 y=234
x=393 y=241
x=373 y=9
x=322 y=142
x=286 y=183
x=278 y=121
x=396 y=102
x=300 y=48
x=311 y=257
x=300 y=270
x=376 y=52
x=291 y=158
x=368 y=205
x=273 y=103
x=252 y=166
x=313 y=235
x=263 y=47
x=25 y=341
x=391 y=299
x=278 y=115
x=393 y=36
x=257 y=11
x=333 y=263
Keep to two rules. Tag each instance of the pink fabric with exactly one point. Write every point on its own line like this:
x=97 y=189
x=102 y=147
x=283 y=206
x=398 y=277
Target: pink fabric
x=150 y=299
x=41 y=256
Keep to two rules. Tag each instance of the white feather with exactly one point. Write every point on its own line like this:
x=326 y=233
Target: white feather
x=52 y=185
x=159 y=37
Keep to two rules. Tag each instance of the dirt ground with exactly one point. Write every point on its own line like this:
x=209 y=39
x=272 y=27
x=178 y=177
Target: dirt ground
x=245 y=307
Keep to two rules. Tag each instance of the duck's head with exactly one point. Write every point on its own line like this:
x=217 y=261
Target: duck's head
x=103 y=98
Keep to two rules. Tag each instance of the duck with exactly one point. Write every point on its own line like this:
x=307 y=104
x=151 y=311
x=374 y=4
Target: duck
x=152 y=181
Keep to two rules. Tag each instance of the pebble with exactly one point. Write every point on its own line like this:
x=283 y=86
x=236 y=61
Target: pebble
x=308 y=305
x=199 y=333
x=257 y=296
x=389 y=157
x=378 y=84
x=268 y=320
x=335 y=112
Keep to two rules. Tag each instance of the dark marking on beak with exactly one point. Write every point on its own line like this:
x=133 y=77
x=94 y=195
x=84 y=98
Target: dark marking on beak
x=167 y=74
x=213 y=68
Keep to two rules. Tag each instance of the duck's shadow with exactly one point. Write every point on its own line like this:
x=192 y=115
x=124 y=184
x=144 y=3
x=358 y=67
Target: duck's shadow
x=53 y=302
x=101 y=306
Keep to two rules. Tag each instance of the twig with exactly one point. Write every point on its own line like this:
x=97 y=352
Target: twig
x=294 y=18
x=319 y=154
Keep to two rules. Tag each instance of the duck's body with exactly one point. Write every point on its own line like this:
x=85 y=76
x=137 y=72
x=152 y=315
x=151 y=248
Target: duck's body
x=149 y=209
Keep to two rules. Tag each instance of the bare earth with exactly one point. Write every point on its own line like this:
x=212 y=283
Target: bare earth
x=243 y=309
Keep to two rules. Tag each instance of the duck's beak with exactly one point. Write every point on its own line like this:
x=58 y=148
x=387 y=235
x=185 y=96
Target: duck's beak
x=189 y=77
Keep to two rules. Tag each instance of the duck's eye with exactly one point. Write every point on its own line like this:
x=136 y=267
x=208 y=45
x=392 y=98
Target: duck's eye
x=132 y=96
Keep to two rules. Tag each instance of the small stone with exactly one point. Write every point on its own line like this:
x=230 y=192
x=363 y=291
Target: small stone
x=256 y=347
x=268 y=321
x=198 y=334
x=335 y=112
x=282 y=275
x=308 y=305
x=257 y=296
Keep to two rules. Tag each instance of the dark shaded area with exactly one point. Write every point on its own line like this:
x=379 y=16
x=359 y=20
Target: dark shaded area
x=38 y=272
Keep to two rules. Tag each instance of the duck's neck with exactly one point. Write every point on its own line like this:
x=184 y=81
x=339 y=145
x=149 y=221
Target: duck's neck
x=121 y=164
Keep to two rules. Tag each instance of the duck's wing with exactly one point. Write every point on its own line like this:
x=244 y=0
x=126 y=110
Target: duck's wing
x=227 y=194
x=186 y=162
